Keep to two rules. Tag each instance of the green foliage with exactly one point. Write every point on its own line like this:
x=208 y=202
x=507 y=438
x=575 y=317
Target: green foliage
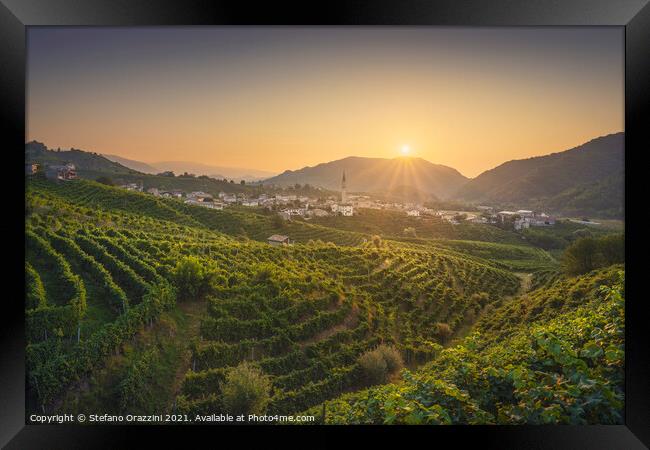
x=300 y=316
x=105 y=180
x=191 y=279
x=135 y=394
x=35 y=295
x=589 y=253
x=565 y=371
x=246 y=390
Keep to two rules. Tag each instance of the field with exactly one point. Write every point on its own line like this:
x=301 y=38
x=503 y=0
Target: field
x=136 y=303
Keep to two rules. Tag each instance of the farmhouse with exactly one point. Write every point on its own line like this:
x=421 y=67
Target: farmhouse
x=30 y=169
x=66 y=172
x=278 y=239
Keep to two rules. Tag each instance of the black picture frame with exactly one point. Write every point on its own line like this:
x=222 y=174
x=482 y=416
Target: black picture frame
x=633 y=15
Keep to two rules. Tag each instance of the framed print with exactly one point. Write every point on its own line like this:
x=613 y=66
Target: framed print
x=388 y=219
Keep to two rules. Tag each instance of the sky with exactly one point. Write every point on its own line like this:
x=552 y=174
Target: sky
x=277 y=98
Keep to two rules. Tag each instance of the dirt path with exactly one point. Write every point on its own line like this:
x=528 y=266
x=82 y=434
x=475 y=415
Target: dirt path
x=190 y=328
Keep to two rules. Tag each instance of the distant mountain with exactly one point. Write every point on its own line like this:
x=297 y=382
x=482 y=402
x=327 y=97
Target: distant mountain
x=85 y=162
x=236 y=173
x=132 y=164
x=378 y=175
x=587 y=179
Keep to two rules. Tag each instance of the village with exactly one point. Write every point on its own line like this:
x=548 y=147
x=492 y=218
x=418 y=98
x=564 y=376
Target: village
x=292 y=206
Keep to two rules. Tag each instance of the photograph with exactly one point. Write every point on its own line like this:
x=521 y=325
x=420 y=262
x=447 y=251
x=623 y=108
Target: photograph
x=325 y=225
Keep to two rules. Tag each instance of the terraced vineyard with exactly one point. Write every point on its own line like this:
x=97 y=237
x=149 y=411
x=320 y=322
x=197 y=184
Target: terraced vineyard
x=107 y=269
x=568 y=369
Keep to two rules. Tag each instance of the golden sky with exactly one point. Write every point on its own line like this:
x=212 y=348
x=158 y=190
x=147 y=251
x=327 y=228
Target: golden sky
x=282 y=98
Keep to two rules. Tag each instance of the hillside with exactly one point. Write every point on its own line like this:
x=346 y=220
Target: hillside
x=141 y=304
x=85 y=162
x=101 y=265
x=378 y=175
x=587 y=179
x=561 y=362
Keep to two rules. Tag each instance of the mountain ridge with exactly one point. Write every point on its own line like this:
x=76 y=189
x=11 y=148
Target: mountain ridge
x=367 y=174
x=547 y=181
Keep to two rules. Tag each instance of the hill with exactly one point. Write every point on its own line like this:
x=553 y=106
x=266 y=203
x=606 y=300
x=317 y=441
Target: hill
x=220 y=172
x=85 y=162
x=587 y=179
x=101 y=265
x=132 y=164
x=378 y=175
x=541 y=372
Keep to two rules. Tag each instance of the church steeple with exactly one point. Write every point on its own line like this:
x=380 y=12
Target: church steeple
x=344 y=196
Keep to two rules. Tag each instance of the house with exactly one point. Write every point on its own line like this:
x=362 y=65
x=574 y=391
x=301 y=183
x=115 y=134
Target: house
x=543 y=220
x=66 y=172
x=525 y=213
x=200 y=196
x=413 y=213
x=250 y=203
x=522 y=223
x=154 y=191
x=177 y=193
x=30 y=169
x=296 y=211
x=346 y=210
x=132 y=187
x=278 y=239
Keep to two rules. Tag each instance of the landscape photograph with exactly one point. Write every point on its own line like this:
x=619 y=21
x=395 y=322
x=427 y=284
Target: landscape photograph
x=325 y=225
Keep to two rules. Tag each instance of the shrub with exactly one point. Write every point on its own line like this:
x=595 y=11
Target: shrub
x=374 y=367
x=443 y=331
x=379 y=364
x=393 y=358
x=246 y=390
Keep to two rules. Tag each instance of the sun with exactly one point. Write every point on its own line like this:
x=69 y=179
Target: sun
x=405 y=150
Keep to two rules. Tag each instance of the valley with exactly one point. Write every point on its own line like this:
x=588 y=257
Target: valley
x=147 y=304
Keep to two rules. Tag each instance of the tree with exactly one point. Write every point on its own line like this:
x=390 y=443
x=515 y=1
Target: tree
x=246 y=390
x=192 y=281
x=242 y=182
x=105 y=180
x=588 y=253
x=580 y=257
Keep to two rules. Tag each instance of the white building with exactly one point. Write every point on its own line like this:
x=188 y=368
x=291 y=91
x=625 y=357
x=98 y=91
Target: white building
x=413 y=213
x=346 y=210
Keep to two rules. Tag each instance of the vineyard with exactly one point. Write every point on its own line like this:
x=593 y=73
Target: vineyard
x=106 y=268
x=566 y=370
